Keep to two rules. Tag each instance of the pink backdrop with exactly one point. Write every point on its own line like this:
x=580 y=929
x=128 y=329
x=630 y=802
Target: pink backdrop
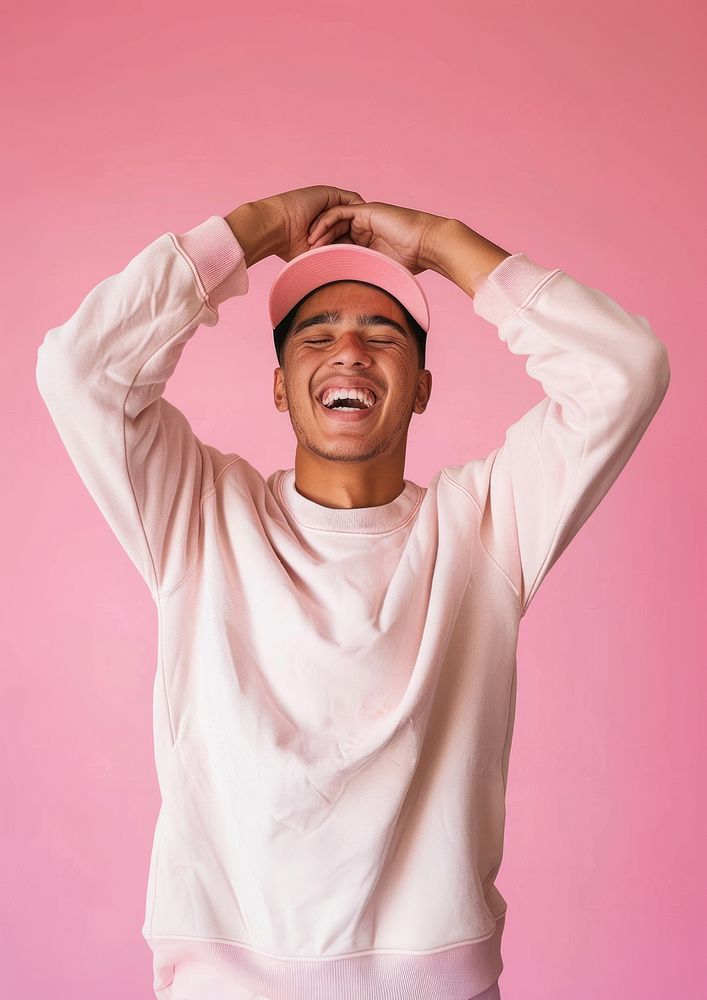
x=571 y=132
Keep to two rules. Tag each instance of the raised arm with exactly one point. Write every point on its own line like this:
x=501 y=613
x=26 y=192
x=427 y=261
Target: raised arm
x=103 y=372
x=604 y=373
x=603 y=370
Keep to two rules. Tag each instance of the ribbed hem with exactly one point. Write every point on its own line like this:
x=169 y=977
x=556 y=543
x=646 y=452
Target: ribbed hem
x=510 y=285
x=218 y=258
x=456 y=972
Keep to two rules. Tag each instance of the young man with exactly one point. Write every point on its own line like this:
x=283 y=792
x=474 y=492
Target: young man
x=335 y=689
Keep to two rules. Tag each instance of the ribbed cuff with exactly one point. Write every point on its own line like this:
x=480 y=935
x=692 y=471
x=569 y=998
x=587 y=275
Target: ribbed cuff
x=218 y=258
x=511 y=284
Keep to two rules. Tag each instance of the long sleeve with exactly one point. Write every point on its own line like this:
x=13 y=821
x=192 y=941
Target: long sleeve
x=102 y=375
x=604 y=373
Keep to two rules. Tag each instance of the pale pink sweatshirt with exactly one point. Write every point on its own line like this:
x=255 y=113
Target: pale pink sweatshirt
x=334 y=694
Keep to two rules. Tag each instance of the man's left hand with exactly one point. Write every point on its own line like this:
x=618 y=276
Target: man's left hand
x=404 y=234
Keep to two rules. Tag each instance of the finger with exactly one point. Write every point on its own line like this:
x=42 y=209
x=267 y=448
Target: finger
x=342 y=196
x=319 y=223
x=351 y=197
x=317 y=227
x=339 y=229
x=326 y=219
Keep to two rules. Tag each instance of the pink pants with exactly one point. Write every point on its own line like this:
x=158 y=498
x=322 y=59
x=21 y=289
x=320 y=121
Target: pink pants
x=198 y=984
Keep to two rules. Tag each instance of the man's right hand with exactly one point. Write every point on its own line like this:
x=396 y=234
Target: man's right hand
x=280 y=224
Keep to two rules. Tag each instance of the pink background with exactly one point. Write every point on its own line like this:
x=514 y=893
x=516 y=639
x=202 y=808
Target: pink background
x=571 y=132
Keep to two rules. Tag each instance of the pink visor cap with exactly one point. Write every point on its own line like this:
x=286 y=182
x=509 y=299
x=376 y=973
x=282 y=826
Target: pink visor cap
x=345 y=262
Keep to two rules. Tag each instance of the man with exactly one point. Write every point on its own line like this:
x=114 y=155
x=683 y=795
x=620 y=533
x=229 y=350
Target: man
x=335 y=688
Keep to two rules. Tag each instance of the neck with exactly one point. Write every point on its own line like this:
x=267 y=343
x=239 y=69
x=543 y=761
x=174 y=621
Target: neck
x=340 y=484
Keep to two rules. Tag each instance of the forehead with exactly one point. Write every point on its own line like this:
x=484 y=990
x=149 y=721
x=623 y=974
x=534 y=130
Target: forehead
x=352 y=296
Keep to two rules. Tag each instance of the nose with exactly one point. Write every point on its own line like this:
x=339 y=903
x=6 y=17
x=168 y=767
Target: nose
x=351 y=350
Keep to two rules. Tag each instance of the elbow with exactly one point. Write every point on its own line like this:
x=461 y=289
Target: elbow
x=41 y=371
x=45 y=369
x=50 y=369
x=650 y=383
x=655 y=364
x=648 y=374
x=662 y=375
x=663 y=366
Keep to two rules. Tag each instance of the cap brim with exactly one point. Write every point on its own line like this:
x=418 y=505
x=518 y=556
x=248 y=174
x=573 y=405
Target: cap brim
x=345 y=262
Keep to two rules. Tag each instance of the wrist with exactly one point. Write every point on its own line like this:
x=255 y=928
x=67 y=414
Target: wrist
x=462 y=255
x=432 y=246
x=257 y=227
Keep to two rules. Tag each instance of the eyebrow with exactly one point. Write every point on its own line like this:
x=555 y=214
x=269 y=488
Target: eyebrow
x=363 y=319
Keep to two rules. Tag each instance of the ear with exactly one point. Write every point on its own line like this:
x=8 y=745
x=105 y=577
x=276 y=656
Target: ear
x=279 y=391
x=424 y=390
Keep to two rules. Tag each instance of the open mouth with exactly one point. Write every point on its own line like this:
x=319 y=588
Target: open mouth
x=349 y=410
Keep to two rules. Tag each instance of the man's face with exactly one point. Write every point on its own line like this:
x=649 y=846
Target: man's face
x=347 y=352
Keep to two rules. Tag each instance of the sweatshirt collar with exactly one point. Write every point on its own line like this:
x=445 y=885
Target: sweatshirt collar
x=366 y=520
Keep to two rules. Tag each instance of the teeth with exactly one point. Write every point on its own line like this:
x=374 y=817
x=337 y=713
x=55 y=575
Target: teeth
x=331 y=395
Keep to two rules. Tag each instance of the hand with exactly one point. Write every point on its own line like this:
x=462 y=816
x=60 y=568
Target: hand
x=292 y=213
x=404 y=234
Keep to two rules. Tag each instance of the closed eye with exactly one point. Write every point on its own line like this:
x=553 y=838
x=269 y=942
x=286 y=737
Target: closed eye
x=323 y=341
